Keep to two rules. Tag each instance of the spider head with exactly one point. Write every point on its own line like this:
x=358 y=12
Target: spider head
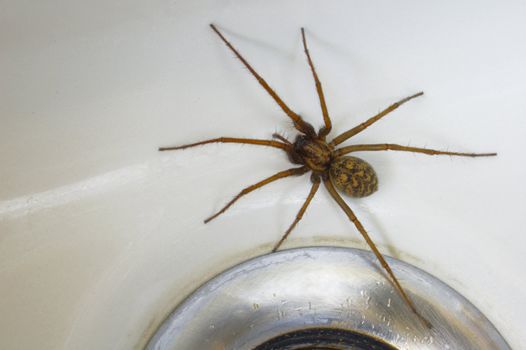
x=313 y=152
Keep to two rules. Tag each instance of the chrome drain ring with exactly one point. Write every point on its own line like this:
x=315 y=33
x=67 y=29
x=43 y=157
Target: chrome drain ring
x=323 y=288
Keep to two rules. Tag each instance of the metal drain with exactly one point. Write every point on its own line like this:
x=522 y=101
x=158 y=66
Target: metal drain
x=323 y=298
x=324 y=339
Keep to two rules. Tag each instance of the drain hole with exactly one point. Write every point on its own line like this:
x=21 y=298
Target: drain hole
x=324 y=339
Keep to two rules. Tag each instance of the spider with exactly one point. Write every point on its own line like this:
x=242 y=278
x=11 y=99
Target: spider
x=326 y=163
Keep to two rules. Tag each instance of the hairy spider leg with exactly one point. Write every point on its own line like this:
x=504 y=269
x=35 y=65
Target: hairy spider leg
x=279 y=137
x=350 y=214
x=299 y=123
x=277 y=176
x=326 y=119
x=269 y=143
x=313 y=190
x=361 y=127
x=393 y=147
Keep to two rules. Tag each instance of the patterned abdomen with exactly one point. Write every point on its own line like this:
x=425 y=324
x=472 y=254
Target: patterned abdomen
x=353 y=176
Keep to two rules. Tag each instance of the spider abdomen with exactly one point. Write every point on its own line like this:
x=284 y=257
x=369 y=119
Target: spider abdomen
x=353 y=176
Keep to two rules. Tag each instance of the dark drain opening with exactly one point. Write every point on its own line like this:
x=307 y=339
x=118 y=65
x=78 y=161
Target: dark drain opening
x=324 y=339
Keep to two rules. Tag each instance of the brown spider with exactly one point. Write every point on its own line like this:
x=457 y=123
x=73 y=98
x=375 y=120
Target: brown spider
x=326 y=163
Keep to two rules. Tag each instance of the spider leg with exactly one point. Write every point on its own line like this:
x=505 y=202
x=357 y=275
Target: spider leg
x=314 y=188
x=394 y=147
x=326 y=119
x=277 y=176
x=350 y=214
x=279 y=137
x=230 y=140
x=299 y=123
x=359 y=128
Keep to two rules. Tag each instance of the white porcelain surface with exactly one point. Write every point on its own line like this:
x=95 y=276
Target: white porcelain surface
x=101 y=236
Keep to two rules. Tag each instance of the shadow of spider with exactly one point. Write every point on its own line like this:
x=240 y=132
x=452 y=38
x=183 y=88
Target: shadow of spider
x=326 y=163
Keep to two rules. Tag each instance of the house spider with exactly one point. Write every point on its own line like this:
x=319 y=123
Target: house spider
x=328 y=164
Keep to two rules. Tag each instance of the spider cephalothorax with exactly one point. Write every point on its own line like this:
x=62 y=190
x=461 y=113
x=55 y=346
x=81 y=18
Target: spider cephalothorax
x=313 y=152
x=327 y=164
